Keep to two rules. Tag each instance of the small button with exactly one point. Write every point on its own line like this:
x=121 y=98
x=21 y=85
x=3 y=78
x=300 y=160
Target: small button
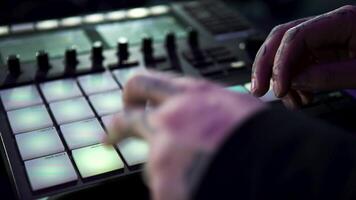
x=39 y=143
x=50 y=171
x=43 y=61
x=122 y=49
x=13 y=64
x=70 y=58
x=193 y=39
x=71 y=110
x=97 y=56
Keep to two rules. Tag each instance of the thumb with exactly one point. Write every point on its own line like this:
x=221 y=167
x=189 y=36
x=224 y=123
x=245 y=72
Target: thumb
x=330 y=76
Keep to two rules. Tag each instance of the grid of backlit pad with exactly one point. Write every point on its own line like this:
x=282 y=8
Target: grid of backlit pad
x=58 y=127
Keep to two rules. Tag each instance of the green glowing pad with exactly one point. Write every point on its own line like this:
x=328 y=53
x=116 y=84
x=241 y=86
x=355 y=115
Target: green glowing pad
x=134 y=151
x=29 y=119
x=83 y=133
x=95 y=83
x=50 y=171
x=39 y=143
x=60 y=90
x=238 y=88
x=55 y=43
x=107 y=103
x=134 y=30
x=95 y=160
x=71 y=110
x=20 y=97
x=123 y=75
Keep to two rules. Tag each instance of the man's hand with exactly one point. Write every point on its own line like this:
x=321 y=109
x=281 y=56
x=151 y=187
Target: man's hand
x=316 y=53
x=187 y=121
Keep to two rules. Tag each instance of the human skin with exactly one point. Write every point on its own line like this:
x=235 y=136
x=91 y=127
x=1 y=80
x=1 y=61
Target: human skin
x=188 y=120
x=315 y=53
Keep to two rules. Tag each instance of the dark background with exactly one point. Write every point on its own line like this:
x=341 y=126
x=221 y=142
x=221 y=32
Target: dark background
x=264 y=14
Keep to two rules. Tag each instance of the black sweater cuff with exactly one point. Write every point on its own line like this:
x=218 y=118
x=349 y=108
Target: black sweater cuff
x=282 y=155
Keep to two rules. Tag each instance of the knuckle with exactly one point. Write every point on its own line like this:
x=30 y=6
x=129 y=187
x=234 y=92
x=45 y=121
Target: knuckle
x=277 y=29
x=348 y=7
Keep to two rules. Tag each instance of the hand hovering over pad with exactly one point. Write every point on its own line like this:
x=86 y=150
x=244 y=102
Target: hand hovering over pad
x=316 y=53
x=188 y=121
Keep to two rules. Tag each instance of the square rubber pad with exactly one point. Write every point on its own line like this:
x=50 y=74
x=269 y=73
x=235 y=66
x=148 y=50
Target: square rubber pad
x=20 y=97
x=50 y=171
x=107 y=103
x=123 y=75
x=134 y=150
x=95 y=83
x=29 y=119
x=60 y=90
x=96 y=160
x=54 y=43
x=83 y=133
x=71 y=110
x=39 y=143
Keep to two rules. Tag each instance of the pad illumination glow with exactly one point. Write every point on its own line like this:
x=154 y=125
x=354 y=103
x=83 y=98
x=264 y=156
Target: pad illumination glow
x=123 y=75
x=83 y=133
x=71 y=110
x=95 y=83
x=39 y=143
x=95 y=160
x=238 y=88
x=50 y=171
x=107 y=103
x=60 y=90
x=20 y=97
x=29 y=119
x=134 y=151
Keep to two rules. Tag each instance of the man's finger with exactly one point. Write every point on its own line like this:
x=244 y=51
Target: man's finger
x=132 y=123
x=339 y=75
x=331 y=29
x=152 y=86
x=292 y=100
x=262 y=67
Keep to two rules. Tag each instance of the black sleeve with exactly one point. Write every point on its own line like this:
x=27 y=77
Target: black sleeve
x=282 y=155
